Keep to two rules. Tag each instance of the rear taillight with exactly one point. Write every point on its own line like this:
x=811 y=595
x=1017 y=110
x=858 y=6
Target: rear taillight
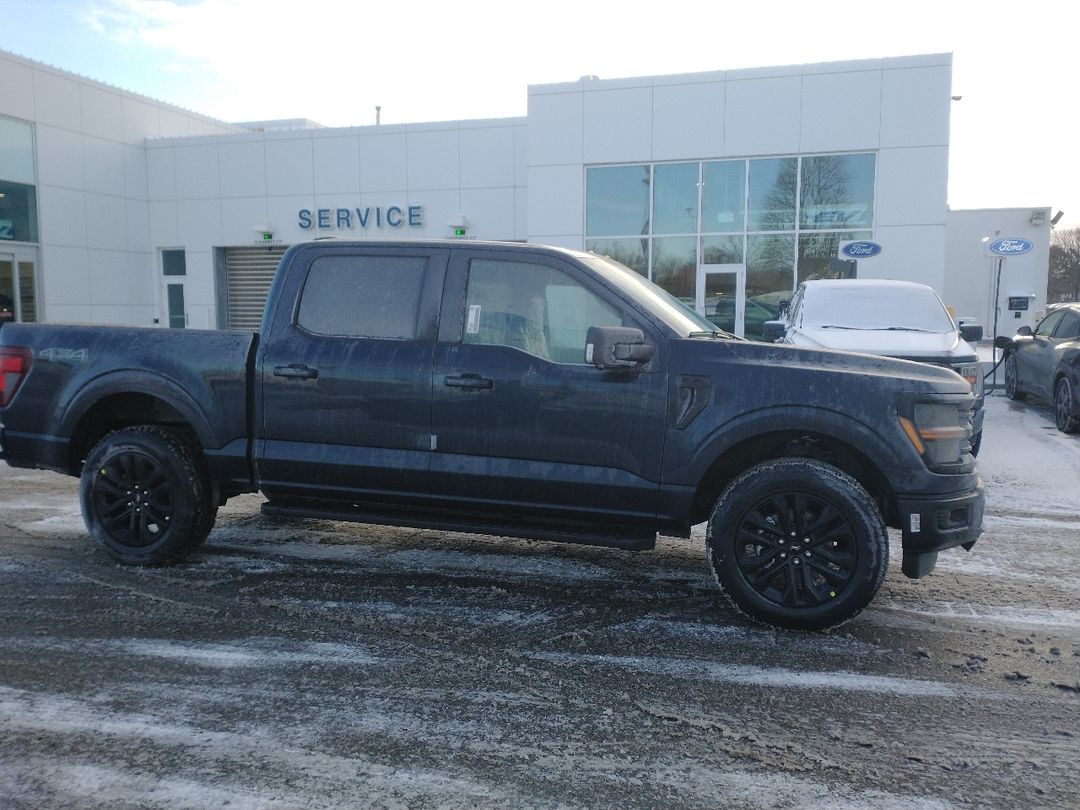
x=14 y=366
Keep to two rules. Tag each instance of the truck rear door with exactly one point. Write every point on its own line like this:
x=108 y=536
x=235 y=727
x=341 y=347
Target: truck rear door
x=343 y=383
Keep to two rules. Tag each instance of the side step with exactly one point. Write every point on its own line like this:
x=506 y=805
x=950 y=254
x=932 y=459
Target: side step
x=633 y=540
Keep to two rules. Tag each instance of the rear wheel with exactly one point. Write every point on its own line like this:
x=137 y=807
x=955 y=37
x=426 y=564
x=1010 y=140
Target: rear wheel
x=1012 y=388
x=145 y=496
x=1065 y=407
x=797 y=543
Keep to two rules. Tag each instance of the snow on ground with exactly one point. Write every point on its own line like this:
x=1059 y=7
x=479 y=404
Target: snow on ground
x=1031 y=469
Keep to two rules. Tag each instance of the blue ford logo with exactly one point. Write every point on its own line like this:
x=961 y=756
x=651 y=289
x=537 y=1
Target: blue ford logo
x=1011 y=247
x=861 y=250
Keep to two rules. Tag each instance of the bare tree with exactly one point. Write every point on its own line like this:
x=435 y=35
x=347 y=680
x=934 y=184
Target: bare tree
x=1064 y=280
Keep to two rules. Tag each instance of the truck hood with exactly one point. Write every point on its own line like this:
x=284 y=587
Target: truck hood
x=925 y=347
x=817 y=370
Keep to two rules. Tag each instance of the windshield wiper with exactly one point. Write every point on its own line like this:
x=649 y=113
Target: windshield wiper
x=715 y=334
x=906 y=329
x=835 y=326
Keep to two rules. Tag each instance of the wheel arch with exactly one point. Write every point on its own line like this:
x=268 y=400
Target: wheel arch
x=844 y=443
x=122 y=400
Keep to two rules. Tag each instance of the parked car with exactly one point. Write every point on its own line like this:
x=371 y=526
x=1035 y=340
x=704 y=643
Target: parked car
x=900 y=319
x=1045 y=363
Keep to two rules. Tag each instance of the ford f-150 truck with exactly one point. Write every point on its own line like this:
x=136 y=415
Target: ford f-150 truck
x=512 y=390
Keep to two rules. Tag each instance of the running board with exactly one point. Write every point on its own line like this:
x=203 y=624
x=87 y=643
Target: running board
x=630 y=540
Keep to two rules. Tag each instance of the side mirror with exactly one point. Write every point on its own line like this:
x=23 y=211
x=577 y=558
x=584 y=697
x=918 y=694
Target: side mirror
x=971 y=332
x=1024 y=331
x=774 y=330
x=617 y=347
x=1002 y=342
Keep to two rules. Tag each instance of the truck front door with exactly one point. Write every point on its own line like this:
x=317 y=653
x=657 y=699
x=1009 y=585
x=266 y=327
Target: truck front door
x=520 y=421
x=344 y=375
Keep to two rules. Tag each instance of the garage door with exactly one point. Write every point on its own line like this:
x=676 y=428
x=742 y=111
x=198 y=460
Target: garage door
x=250 y=272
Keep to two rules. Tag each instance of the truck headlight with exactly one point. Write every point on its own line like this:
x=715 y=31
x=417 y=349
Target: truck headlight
x=939 y=432
x=971 y=372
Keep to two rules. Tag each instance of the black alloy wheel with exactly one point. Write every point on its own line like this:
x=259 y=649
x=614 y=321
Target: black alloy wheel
x=132 y=498
x=796 y=550
x=145 y=496
x=797 y=543
x=1064 y=407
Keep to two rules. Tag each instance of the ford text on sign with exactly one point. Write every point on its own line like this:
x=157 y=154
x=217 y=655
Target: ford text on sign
x=1011 y=247
x=860 y=250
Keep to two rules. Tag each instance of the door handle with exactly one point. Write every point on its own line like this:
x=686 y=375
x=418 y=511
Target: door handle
x=469 y=381
x=298 y=371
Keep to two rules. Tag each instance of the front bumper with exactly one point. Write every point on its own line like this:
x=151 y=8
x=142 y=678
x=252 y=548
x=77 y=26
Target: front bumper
x=933 y=524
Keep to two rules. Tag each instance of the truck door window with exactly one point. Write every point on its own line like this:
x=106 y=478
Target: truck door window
x=532 y=307
x=363 y=296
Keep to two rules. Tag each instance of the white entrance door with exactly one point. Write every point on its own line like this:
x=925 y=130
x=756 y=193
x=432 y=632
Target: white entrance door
x=721 y=295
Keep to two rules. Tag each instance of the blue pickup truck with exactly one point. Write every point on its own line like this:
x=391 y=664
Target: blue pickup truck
x=511 y=390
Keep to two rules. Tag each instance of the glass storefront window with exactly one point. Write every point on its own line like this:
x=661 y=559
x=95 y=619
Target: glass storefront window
x=631 y=252
x=837 y=191
x=723 y=195
x=782 y=218
x=27 y=293
x=773 y=184
x=675 y=198
x=7 y=291
x=819 y=255
x=16 y=151
x=617 y=201
x=770 y=265
x=722 y=249
x=674 y=265
x=18 y=212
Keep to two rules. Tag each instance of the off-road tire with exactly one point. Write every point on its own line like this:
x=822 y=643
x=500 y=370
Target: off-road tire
x=145 y=496
x=788 y=516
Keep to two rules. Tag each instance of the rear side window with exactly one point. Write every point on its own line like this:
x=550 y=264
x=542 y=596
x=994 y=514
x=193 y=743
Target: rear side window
x=1049 y=324
x=1069 y=326
x=363 y=296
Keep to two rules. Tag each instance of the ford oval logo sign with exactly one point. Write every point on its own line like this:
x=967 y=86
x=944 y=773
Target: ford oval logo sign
x=1011 y=247
x=860 y=250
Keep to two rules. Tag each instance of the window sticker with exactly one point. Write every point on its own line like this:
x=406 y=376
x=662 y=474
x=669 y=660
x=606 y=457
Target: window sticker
x=472 y=326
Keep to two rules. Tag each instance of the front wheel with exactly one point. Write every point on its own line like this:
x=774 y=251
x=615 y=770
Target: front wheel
x=1065 y=407
x=145 y=496
x=1012 y=386
x=797 y=543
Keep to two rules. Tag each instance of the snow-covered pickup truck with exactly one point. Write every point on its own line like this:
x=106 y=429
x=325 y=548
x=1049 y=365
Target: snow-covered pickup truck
x=513 y=390
x=900 y=319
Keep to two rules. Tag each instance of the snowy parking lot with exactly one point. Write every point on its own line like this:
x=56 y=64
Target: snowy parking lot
x=323 y=665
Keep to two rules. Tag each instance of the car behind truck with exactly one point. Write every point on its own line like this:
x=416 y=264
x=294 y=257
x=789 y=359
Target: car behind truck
x=511 y=390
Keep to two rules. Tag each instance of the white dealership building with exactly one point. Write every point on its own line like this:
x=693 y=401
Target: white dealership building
x=721 y=186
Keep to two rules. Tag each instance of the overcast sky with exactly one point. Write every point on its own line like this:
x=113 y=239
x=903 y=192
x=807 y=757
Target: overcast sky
x=1014 y=135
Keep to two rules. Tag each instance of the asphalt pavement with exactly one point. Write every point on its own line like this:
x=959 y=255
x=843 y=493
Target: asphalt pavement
x=325 y=665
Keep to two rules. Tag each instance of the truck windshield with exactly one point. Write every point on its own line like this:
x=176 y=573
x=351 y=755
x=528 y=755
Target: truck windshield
x=907 y=308
x=673 y=312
